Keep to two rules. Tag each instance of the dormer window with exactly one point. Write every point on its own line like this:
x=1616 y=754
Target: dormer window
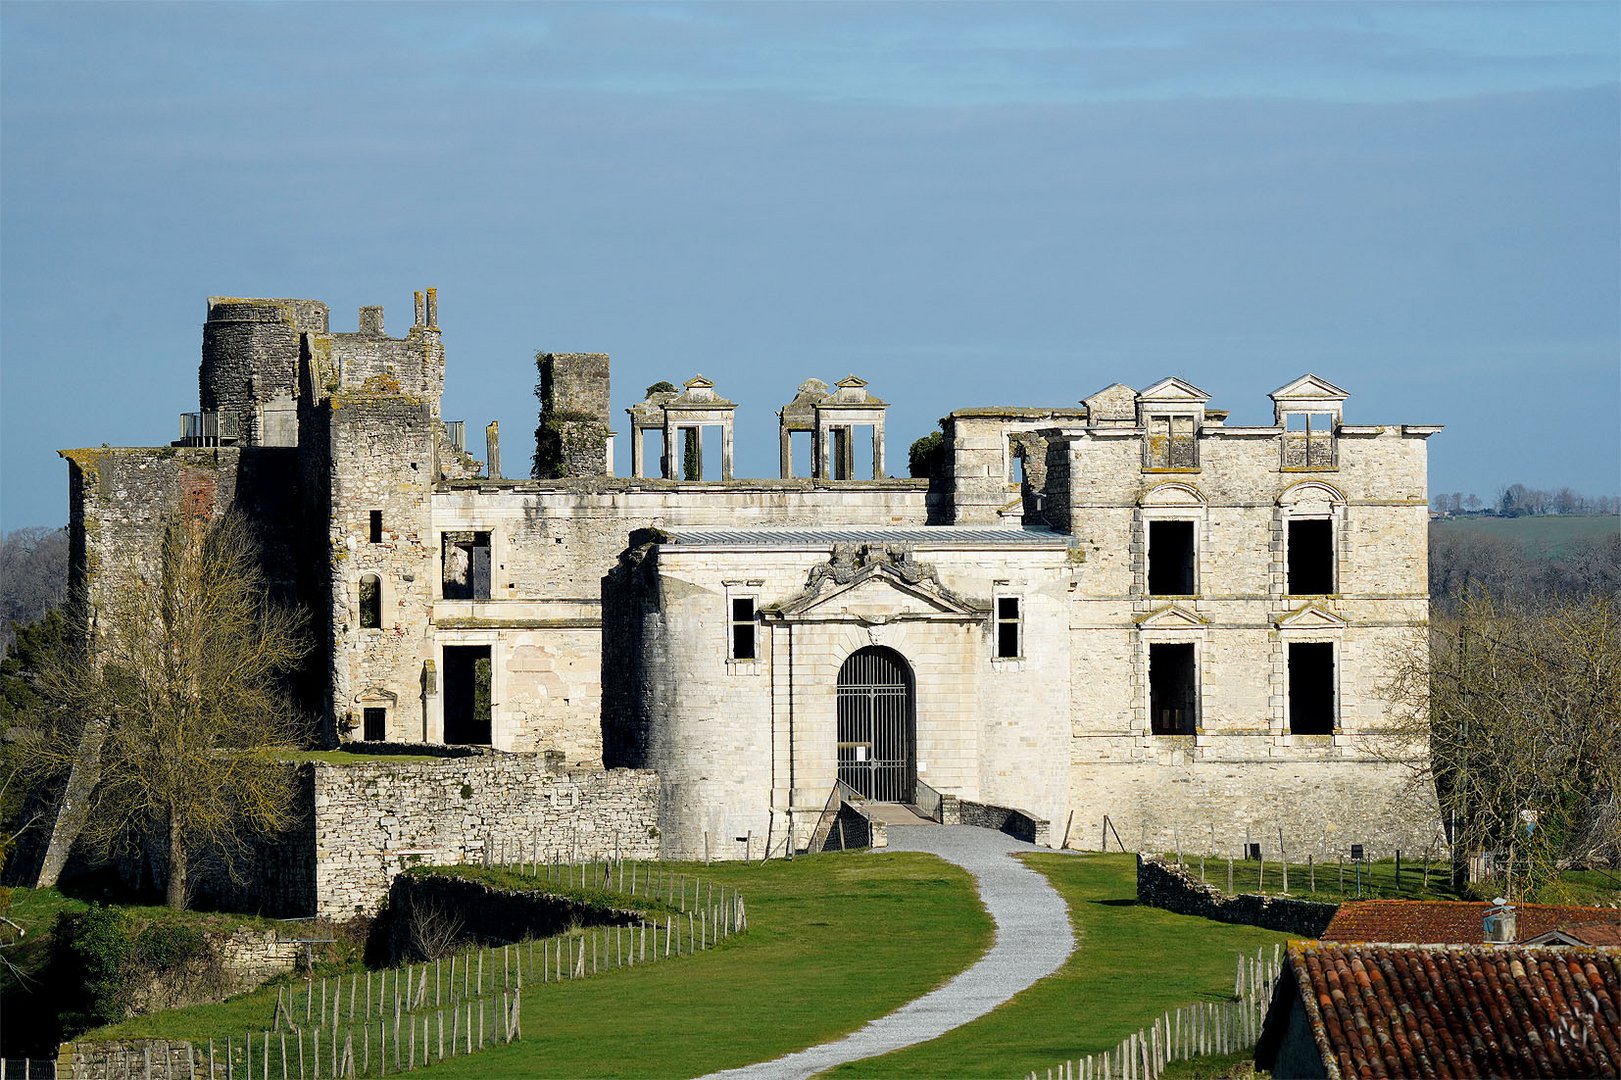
x=1171 y=442
x=1308 y=440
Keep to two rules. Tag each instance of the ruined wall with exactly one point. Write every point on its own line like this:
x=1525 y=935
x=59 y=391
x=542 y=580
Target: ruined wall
x=376 y=819
x=981 y=445
x=381 y=460
x=251 y=365
x=1164 y=885
x=571 y=439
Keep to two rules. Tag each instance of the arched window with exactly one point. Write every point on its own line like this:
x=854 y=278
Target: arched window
x=371 y=602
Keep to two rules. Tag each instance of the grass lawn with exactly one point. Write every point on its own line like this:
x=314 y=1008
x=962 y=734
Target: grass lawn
x=1547 y=536
x=833 y=941
x=1130 y=964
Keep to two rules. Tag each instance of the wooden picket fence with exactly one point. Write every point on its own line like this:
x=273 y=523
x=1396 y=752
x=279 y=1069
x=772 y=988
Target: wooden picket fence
x=1192 y=1031
x=403 y=1011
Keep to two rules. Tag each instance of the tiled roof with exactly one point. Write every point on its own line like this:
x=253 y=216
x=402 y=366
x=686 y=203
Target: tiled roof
x=1442 y=922
x=1456 y=1011
x=932 y=535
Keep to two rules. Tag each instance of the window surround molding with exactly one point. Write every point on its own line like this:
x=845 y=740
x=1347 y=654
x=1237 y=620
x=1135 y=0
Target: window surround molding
x=1172 y=624
x=1309 y=500
x=500 y=722
x=1169 y=501
x=1312 y=397
x=1312 y=623
x=1005 y=590
x=743 y=590
x=1171 y=399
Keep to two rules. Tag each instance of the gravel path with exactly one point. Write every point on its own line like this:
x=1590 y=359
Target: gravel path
x=1033 y=939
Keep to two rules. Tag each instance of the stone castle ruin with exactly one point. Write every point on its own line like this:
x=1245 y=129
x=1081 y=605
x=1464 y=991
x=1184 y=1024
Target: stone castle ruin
x=1124 y=608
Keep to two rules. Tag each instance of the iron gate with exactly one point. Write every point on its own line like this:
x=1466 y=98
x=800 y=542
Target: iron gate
x=876 y=754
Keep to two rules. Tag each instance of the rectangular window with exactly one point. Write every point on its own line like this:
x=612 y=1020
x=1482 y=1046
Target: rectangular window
x=1009 y=628
x=1308 y=440
x=1172 y=443
x=466 y=566
x=375 y=728
x=1311 y=688
x=377 y=526
x=743 y=628
x=1173 y=689
x=1311 y=556
x=1170 y=558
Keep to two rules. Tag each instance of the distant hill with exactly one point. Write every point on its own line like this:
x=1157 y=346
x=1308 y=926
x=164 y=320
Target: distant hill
x=1547 y=536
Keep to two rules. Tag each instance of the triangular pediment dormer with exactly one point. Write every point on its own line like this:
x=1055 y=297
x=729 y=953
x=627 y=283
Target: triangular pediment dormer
x=1112 y=406
x=1308 y=394
x=1311 y=617
x=1171 y=397
x=1171 y=617
x=1172 y=388
x=878 y=593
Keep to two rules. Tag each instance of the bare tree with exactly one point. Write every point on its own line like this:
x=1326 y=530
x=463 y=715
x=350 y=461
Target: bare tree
x=33 y=576
x=175 y=708
x=1522 y=710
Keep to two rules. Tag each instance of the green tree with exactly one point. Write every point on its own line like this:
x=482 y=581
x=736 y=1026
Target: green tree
x=177 y=706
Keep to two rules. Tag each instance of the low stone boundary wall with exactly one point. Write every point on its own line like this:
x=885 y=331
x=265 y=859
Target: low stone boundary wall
x=129 y=1059
x=472 y=912
x=1165 y=885
x=374 y=820
x=852 y=828
x=1019 y=824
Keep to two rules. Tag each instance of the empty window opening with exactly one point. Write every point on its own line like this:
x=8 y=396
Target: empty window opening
x=376 y=526
x=1170 y=558
x=1311 y=556
x=843 y=453
x=1009 y=628
x=466 y=566
x=1308 y=440
x=1173 y=689
x=743 y=628
x=652 y=450
x=1015 y=464
x=374 y=727
x=1311 y=688
x=371 y=602
x=713 y=443
x=801 y=451
x=467 y=694
x=1172 y=443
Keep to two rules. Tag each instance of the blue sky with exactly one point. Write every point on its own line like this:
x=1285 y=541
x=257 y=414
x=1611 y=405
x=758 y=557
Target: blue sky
x=964 y=204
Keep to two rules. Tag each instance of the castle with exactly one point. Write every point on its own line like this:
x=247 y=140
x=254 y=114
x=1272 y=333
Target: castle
x=1124 y=609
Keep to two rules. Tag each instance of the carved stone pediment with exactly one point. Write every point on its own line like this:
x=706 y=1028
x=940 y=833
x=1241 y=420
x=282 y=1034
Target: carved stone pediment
x=872 y=583
x=1311 y=617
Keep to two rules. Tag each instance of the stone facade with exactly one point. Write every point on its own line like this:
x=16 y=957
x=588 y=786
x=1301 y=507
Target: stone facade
x=1124 y=607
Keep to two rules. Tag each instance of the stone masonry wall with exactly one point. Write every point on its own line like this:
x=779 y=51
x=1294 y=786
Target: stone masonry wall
x=373 y=820
x=130 y=1059
x=1164 y=885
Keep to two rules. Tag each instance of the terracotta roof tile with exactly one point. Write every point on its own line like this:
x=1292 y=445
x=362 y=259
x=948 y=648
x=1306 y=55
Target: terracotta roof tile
x=1459 y=1011
x=1444 y=922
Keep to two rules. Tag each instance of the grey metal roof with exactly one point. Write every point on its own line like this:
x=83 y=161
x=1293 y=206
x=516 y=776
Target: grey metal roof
x=934 y=536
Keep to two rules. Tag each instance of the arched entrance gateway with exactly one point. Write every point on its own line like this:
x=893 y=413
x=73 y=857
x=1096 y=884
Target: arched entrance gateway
x=878 y=725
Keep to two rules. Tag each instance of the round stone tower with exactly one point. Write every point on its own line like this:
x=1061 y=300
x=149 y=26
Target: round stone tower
x=249 y=373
